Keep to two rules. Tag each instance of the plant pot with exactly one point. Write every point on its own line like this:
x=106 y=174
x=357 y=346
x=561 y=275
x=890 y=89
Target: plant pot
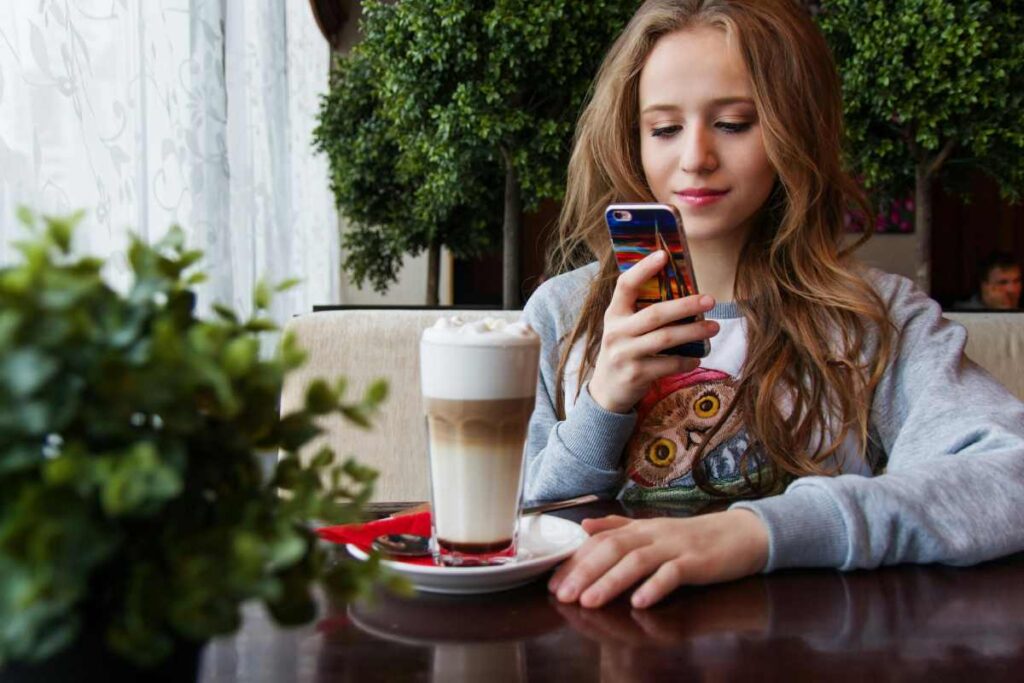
x=88 y=659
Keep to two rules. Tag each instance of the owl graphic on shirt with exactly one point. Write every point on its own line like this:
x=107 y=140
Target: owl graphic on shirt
x=675 y=419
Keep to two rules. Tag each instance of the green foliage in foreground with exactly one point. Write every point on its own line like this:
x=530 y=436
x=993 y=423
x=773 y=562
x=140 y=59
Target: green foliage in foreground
x=130 y=483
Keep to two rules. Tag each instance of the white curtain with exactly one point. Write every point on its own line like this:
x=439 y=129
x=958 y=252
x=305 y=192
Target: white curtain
x=148 y=113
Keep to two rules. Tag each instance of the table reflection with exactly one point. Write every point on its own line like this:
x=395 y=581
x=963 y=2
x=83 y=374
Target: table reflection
x=918 y=616
x=474 y=638
x=917 y=621
x=911 y=614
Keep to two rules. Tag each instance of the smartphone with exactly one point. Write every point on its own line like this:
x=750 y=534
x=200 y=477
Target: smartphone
x=637 y=230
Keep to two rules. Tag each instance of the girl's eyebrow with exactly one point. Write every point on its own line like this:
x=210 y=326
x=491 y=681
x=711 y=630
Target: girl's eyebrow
x=717 y=102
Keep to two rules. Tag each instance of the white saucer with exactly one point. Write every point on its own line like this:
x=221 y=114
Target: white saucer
x=544 y=541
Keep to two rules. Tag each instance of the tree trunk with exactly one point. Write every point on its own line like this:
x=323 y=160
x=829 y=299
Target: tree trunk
x=512 y=228
x=926 y=172
x=433 y=273
x=923 y=225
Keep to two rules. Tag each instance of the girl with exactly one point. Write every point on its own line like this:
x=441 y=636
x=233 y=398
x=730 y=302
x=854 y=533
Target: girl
x=836 y=409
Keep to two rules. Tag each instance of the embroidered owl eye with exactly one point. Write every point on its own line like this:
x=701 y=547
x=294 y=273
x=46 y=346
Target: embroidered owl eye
x=661 y=452
x=707 y=405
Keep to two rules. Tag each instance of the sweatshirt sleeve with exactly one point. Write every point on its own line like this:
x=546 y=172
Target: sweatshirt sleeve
x=953 y=489
x=581 y=454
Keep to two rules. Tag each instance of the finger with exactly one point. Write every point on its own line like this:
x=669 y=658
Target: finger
x=670 y=575
x=656 y=367
x=626 y=572
x=563 y=570
x=598 y=525
x=567 y=568
x=668 y=312
x=593 y=527
x=629 y=284
x=663 y=338
x=592 y=560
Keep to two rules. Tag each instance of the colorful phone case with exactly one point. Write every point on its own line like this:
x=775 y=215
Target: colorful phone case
x=650 y=227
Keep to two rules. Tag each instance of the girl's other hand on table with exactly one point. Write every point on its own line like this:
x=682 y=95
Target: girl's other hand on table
x=667 y=552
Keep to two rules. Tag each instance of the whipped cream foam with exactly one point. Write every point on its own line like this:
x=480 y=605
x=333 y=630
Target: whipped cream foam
x=455 y=330
x=479 y=360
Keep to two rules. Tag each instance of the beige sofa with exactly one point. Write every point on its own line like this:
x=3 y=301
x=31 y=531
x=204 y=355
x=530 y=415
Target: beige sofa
x=363 y=345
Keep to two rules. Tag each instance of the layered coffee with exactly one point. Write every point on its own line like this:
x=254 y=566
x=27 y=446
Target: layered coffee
x=479 y=381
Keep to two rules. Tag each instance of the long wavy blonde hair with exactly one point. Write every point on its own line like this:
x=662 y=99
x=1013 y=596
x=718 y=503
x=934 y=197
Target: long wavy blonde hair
x=819 y=336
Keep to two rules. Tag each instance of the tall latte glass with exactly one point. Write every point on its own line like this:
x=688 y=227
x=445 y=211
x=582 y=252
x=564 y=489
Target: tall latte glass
x=479 y=381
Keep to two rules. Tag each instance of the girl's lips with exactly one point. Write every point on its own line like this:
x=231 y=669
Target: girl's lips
x=701 y=198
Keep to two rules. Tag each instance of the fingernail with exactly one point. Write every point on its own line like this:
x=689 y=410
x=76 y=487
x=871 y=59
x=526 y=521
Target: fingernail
x=639 y=600
x=707 y=301
x=567 y=592
x=553 y=584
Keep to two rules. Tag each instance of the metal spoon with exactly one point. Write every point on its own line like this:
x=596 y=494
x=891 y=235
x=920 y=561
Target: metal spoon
x=402 y=545
x=414 y=545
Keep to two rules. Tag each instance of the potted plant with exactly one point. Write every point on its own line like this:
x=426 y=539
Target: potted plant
x=135 y=517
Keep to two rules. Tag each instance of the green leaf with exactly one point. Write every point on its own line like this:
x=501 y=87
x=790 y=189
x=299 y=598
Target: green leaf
x=173 y=241
x=260 y=325
x=319 y=398
x=261 y=296
x=240 y=356
x=225 y=313
x=287 y=284
x=323 y=458
x=376 y=393
x=59 y=231
x=25 y=216
x=24 y=371
x=139 y=483
x=286 y=551
x=289 y=353
x=356 y=415
x=10 y=321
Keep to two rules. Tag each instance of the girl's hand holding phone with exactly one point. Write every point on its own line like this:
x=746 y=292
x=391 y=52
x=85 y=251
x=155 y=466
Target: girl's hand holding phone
x=628 y=359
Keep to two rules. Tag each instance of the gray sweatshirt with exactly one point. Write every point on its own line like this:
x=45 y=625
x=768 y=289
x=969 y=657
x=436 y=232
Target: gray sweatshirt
x=951 y=436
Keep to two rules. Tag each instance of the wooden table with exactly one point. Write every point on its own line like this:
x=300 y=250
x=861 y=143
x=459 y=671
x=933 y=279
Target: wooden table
x=899 y=623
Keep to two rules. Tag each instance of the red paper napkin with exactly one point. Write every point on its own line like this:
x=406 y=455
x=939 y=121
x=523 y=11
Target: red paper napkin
x=362 y=535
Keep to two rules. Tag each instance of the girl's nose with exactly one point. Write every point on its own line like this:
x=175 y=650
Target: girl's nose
x=698 y=154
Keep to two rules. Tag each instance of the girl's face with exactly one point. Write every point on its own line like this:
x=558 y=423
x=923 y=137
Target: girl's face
x=700 y=139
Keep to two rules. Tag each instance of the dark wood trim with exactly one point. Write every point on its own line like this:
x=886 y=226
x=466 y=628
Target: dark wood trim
x=331 y=17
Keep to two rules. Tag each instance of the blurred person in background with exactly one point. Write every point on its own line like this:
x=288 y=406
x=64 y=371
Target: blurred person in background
x=999 y=287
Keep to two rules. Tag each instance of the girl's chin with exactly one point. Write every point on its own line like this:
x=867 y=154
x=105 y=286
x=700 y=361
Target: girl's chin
x=700 y=229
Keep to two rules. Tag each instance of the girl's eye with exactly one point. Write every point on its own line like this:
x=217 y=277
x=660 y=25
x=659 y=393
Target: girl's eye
x=665 y=131
x=734 y=127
